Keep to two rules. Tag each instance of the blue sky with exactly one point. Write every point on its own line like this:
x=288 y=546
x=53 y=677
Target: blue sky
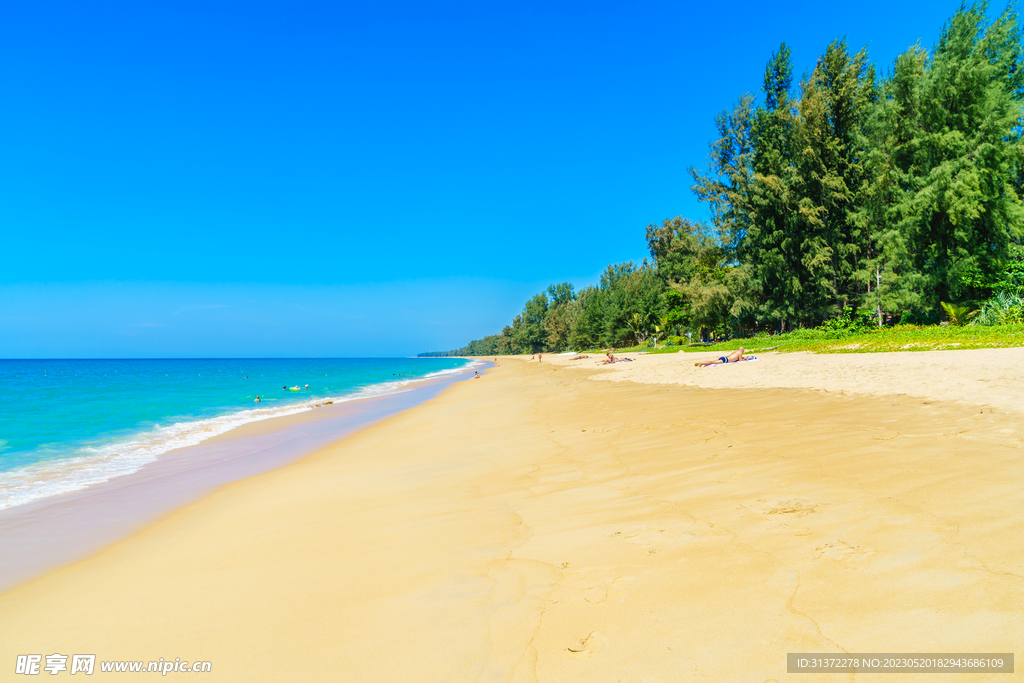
x=335 y=179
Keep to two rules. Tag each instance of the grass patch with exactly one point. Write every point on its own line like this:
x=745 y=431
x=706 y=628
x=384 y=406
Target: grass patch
x=899 y=338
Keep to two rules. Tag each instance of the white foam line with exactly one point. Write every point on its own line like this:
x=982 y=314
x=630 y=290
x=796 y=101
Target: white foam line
x=39 y=480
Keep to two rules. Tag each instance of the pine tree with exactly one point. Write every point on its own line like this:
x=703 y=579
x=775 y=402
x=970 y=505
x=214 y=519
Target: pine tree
x=957 y=152
x=769 y=250
x=725 y=185
x=836 y=102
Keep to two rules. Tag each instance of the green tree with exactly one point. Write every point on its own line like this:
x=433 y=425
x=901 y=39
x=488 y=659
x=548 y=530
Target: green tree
x=769 y=248
x=836 y=103
x=505 y=345
x=957 y=152
x=844 y=200
x=889 y=279
x=587 y=319
x=725 y=184
x=528 y=333
x=560 y=295
x=693 y=265
x=561 y=316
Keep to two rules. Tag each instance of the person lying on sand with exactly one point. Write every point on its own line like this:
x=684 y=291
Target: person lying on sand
x=734 y=357
x=613 y=359
x=579 y=357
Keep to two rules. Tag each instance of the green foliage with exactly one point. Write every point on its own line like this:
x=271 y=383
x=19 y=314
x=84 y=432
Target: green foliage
x=528 y=330
x=958 y=315
x=955 y=151
x=847 y=323
x=907 y=338
x=1009 y=277
x=1004 y=308
x=836 y=203
x=704 y=292
x=889 y=195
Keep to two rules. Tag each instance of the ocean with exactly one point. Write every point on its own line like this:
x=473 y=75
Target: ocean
x=69 y=424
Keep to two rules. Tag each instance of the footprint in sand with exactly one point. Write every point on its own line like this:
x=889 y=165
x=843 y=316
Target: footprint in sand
x=608 y=591
x=593 y=642
x=841 y=551
x=790 y=529
x=886 y=437
x=774 y=508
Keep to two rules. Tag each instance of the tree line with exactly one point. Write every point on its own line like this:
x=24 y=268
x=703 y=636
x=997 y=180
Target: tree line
x=843 y=194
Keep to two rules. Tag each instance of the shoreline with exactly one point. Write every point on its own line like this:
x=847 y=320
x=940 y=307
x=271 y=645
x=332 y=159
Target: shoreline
x=51 y=531
x=123 y=454
x=540 y=525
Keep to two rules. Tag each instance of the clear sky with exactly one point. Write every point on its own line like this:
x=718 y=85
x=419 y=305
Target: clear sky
x=356 y=179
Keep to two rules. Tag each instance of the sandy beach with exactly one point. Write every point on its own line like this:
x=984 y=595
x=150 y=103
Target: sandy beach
x=543 y=524
x=982 y=377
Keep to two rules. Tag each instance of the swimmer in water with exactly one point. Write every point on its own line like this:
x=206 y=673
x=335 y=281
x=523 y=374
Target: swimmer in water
x=307 y=386
x=257 y=400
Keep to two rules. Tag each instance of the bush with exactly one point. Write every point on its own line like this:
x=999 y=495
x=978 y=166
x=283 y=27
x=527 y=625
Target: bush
x=1005 y=308
x=847 y=323
x=957 y=315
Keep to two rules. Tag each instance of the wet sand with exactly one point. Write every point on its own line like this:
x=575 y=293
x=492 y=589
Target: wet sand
x=52 y=531
x=537 y=525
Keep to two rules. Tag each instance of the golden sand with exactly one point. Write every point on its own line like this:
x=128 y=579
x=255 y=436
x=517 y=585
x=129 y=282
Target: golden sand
x=987 y=377
x=536 y=525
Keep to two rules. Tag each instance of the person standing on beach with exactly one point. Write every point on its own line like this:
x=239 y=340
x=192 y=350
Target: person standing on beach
x=539 y=357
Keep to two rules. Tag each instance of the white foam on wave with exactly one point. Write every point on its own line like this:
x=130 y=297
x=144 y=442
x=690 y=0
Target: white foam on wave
x=96 y=465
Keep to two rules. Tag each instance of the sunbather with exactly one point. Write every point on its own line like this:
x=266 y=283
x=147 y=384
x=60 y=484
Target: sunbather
x=733 y=357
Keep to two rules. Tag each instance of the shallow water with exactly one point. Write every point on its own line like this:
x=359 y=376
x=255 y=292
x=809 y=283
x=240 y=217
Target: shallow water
x=53 y=530
x=69 y=424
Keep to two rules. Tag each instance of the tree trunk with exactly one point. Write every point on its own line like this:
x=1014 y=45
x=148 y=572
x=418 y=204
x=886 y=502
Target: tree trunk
x=878 y=288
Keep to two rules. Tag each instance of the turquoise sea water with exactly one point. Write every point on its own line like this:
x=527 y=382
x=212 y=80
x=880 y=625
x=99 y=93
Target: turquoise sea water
x=65 y=424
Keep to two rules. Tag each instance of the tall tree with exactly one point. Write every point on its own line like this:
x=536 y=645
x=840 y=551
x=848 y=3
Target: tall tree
x=692 y=262
x=835 y=104
x=769 y=249
x=561 y=316
x=725 y=184
x=958 y=152
x=528 y=333
x=890 y=278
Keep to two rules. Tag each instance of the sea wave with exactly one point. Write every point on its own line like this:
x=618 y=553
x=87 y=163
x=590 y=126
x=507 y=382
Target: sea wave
x=95 y=465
